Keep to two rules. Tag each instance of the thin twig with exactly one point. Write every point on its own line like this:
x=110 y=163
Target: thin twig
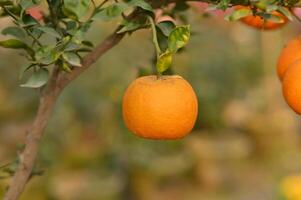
x=93 y=3
x=102 y=3
x=33 y=37
x=155 y=39
x=10 y=13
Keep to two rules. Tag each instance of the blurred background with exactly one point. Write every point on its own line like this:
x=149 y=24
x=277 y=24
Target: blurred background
x=245 y=145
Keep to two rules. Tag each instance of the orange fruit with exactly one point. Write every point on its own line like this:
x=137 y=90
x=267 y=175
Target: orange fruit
x=160 y=108
x=259 y=23
x=291 y=86
x=291 y=187
x=289 y=54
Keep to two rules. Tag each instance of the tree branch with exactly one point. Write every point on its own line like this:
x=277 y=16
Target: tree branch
x=47 y=102
x=90 y=58
x=28 y=157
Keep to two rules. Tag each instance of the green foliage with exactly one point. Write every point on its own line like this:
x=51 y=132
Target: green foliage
x=72 y=58
x=25 y=4
x=271 y=17
x=5 y=3
x=67 y=31
x=49 y=30
x=141 y=4
x=67 y=21
x=14 y=31
x=37 y=79
x=16 y=44
x=166 y=27
x=223 y=4
x=111 y=12
x=133 y=25
x=78 y=8
x=164 y=61
x=13 y=44
x=46 y=55
x=238 y=14
x=285 y=12
x=177 y=39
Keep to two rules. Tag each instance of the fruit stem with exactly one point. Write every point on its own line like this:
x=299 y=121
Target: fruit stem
x=155 y=39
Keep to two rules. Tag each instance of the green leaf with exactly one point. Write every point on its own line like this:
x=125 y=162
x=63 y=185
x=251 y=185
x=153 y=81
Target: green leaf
x=212 y=7
x=72 y=58
x=164 y=61
x=162 y=40
x=16 y=44
x=24 y=68
x=71 y=27
x=50 y=31
x=28 y=20
x=111 y=12
x=166 y=27
x=35 y=32
x=238 y=14
x=181 y=6
x=78 y=7
x=26 y=4
x=13 y=44
x=87 y=43
x=6 y=2
x=223 y=4
x=46 y=55
x=129 y=26
x=141 y=4
x=178 y=38
x=69 y=14
x=14 y=31
x=292 y=3
x=55 y=3
x=84 y=50
x=271 y=8
x=285 y=12
x=272 y=18
x=37 y=79
x=79 y=35
x=133 y=25
x=71 y=46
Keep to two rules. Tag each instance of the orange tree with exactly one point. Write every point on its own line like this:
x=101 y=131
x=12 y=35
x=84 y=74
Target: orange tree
x=51 y=35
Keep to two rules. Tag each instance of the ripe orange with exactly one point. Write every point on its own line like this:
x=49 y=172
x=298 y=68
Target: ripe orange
x=160 y=108
x=260 y=23
x=289 y=54
x=291 y=86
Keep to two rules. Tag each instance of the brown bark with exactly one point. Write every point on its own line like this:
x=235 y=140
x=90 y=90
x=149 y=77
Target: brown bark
x=28 y=157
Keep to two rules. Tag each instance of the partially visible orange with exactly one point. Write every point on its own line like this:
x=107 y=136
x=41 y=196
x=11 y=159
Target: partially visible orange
x=260 y=23
x=289 y=54
x=160 y=108
x=291 y=187
x=291 y=86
